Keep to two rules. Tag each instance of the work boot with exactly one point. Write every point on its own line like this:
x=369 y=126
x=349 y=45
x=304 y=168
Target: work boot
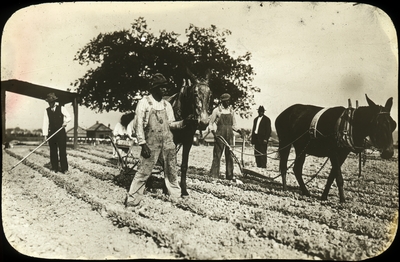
x=132 y=201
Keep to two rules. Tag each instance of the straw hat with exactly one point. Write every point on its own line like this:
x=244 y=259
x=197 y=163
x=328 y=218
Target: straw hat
x=51 y=97
x=158 y=80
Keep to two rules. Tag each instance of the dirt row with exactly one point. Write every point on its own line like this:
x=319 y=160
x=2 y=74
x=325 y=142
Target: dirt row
x=248 y=217
x=185 y=233
x=41 y=219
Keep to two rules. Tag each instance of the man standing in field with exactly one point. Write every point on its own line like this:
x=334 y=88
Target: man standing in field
x=56 y=117
x=153 y=123
x=223 y=123
x=260 y=134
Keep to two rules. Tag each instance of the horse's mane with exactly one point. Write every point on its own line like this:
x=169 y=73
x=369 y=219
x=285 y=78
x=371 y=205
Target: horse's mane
x=177 y=100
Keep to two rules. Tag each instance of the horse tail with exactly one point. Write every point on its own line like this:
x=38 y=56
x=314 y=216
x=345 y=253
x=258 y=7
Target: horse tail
x=283 y=132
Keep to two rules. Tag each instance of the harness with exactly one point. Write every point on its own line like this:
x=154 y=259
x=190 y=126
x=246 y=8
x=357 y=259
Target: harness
x=151 y=103
x=344 y=131
x=313 y=126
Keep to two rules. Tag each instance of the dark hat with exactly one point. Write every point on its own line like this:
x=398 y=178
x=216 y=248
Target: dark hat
x=225 y=97
x=51 y=97
x=158 y=80
x=261 y=108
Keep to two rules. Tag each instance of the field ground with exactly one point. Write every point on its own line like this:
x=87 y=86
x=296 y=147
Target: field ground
x=81 y=215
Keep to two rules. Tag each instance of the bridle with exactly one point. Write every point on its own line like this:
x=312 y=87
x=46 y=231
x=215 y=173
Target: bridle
x=198 y=102
x=374 y=123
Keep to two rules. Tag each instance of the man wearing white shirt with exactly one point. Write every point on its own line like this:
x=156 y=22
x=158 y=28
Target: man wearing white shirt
x=223 y=123
x=153 y=123
x=261 y=132
x=56 y=117
x=123 y=130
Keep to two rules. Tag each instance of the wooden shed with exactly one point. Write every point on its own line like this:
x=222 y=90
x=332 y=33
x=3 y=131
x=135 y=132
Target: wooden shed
x=39 y=92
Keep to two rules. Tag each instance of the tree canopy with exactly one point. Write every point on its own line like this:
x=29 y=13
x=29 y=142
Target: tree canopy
x=122 y=63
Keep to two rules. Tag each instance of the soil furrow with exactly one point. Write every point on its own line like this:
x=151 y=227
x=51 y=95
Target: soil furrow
x=189 y=238
x=226 y=220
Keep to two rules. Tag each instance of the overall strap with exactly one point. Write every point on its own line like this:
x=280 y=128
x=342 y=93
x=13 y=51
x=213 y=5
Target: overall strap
x=149 y=100
x=151 y=104
x=230 y=109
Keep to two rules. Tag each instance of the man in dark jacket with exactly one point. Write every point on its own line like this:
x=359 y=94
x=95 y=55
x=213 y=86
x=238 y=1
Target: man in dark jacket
x=260 y=134
x=55 y=119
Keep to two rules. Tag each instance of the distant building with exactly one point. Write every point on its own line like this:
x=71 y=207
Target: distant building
x=99 y=130
x=81 y=133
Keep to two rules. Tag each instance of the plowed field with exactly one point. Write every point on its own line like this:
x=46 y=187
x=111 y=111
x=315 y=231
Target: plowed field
x=81 y=214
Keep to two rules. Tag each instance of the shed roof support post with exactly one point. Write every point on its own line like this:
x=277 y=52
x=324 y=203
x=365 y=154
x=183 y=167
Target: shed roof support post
x=3 y=115
x=75 y=108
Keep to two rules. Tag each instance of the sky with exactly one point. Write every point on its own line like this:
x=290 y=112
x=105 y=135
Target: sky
x=302 y=52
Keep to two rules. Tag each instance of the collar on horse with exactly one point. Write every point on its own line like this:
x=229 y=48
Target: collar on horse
x=343 y=129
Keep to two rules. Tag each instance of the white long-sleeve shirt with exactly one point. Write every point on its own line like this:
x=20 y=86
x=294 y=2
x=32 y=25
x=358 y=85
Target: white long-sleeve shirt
x=64 y=111
x=120 y=130
x=143 y=113
x=215 y=115
x=258 y=124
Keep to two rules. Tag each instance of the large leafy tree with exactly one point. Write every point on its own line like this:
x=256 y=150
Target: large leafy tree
x=122 y=63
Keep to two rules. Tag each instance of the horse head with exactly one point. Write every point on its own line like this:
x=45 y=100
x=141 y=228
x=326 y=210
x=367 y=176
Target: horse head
x=202 y=99
x=381 y=128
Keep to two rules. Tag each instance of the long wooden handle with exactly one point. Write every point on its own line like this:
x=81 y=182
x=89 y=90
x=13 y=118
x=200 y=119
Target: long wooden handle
x=35 y=149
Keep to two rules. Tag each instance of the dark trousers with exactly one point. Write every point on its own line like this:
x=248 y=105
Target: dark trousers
x=219 y=148
x=260 y=153
x=58 y=151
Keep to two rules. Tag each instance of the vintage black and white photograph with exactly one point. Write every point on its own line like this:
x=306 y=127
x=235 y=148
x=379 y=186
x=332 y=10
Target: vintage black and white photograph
x=210 y=130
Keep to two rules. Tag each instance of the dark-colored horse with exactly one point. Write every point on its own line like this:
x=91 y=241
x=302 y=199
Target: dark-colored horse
x=293 y=128
x=193 y=103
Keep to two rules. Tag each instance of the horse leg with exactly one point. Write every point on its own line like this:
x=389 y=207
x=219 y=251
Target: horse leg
x=329 y=182
x=184 y=167
x=339 y=177
x=336 y=173
x=298 y=172
x=339 y=182
x=283 y=158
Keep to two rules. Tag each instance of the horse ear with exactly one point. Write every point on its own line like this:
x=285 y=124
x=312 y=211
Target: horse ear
x=191 y=75
x=370 y=102
x=388 y=104
x=208 y=74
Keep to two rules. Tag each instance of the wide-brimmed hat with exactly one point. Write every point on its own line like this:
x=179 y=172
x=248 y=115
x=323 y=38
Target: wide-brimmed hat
x=51 y=97
x=261 y=109
x=158 y=80
x=225 y=97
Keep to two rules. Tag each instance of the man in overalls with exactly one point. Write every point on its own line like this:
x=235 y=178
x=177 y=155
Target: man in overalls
x=222 y=123
x=153 y=122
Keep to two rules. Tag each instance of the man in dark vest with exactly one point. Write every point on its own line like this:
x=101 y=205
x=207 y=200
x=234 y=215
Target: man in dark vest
x=56 y=117
x=260 y=134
